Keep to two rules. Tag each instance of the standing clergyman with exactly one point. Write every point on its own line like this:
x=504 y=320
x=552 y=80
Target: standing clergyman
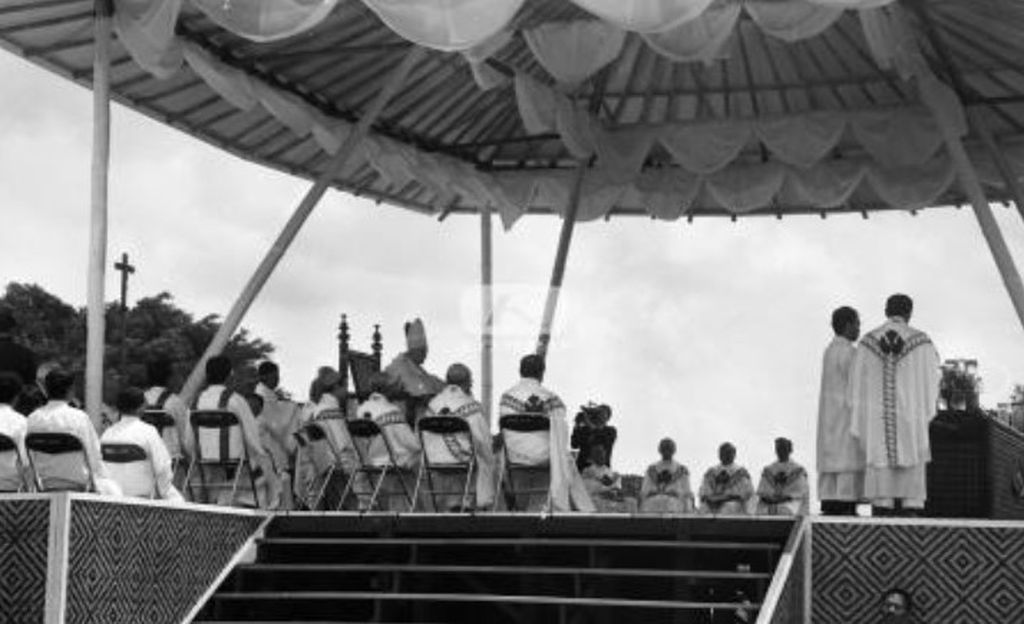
x=840 y=460
x=894 y=389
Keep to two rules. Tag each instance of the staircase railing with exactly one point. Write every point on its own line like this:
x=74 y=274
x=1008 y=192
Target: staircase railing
x=787 y=600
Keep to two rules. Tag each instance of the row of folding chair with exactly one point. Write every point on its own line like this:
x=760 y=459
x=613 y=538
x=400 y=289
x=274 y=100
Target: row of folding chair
x=365 y=478
x=18 y=479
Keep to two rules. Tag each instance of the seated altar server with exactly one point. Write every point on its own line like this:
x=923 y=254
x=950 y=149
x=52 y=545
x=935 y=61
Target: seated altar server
x=400 y=439
x=218 y=394
x=57 y=416
x=783 y=489
x=567 y=489
x=726 y=489
x=145 y=479
x=278 y=422
x=407 y=380
x=13 y=463
x=159 y=396
x=666 y=485
x=457 y=400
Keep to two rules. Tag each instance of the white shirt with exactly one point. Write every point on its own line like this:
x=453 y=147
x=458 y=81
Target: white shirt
x=139 y=478
x=177 y=439
x=838 y=450
x=59 y=417
x=567 y=487
x=12 y=425
x=209 y=399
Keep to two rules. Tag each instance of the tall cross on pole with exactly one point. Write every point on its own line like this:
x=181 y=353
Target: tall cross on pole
x=126 y=269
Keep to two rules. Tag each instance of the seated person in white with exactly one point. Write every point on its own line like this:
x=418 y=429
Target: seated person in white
x=604 y=484
x=144 y=479
x=278 y=421
x=567 y=491
x=666 y=486
x=12 y=425
x=57 y=416
x=726 y=488
x=457 y=400
x=783 y=489
x=177 y=439
x=217 y=395
x=402 y=440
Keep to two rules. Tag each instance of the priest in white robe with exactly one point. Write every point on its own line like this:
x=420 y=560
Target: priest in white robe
x=316 y=457
x=666 y=484
x=457 y=400
x=402 y=447
x=726 y=488
x=409 y=384
x=604 y=484
x=840 y=459
x=153 y=477
x=14 y=470
x=159 y=396
x=783 y=489
x=566 y=489
x=894 y=391
x=278 y=423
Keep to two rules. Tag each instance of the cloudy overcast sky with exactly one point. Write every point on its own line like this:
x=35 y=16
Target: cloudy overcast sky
x=704 y=332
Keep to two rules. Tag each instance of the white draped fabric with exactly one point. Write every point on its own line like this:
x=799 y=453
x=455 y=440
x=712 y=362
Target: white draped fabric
x=896 y=152
x=266 y=20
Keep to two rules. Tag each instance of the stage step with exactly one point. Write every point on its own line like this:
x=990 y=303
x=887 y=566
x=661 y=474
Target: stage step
x=503 y=568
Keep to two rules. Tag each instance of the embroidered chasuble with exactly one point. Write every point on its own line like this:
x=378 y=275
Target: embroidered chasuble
x=894 y=389
x=780 y=479
x=731 y=480
x=666 y=489
x=453 y=401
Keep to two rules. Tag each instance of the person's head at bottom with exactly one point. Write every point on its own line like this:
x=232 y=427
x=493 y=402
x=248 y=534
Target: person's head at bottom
x=897 y=606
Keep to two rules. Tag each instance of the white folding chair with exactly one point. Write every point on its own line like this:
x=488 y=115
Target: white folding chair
x=458 y=459
x=130 y=466
x=364 y=433
x=323 y=430
x=523 y=423
x=12 y=470
x=219 y=444
x=163 y=422
x=72 y=475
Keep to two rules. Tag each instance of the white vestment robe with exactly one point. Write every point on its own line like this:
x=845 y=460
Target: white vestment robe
x=314 y=459
x=732 y=480
x=59 y=417
x=13 y=464
x=453 y=401
x=604 y=486
x=177 y=439
x=567 y=490
x=780 y=479
x=150 y=479
x=894 y=390
x=404 y=445
x=248 y=434
x=840 y=458
x=666 y=489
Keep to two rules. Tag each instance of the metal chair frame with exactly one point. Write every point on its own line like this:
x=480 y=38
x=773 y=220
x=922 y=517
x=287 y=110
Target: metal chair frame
x=202 y=419
x=445 y=424
x=127 y=453
x=161 y=420
x=315 y=431
x=526 y=422
x=57 y=443
x=8 y=445
x=365 y=430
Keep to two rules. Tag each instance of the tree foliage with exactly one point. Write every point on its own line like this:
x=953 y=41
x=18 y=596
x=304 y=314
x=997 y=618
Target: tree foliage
x=155 y=328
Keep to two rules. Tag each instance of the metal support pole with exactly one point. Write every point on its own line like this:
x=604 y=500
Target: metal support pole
x=302 y=212
x=486 y=313
x=1010 y=178
x=558 y=272
x=96 y=312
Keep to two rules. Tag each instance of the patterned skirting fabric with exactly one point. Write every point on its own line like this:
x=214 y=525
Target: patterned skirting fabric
x=24 y=529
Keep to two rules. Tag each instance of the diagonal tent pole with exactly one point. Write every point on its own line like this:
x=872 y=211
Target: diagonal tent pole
x=969 y=177
x=975 y=117
x=291 y=229
x=558 y=272
x=96 y=315
x=486 y=312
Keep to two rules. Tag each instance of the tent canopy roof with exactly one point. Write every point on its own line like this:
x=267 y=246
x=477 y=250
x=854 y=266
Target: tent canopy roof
x=649 y=119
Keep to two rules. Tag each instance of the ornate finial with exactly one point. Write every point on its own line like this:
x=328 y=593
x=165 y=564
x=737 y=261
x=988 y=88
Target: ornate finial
x=377 y=346
x=343 y=335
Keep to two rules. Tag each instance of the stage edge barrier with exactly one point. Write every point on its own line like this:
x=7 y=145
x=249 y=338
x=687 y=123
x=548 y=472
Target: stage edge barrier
x=81 y=558
x=784 y=602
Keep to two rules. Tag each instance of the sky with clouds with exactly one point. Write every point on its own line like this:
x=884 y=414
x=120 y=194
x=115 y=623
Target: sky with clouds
x=704 y=332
